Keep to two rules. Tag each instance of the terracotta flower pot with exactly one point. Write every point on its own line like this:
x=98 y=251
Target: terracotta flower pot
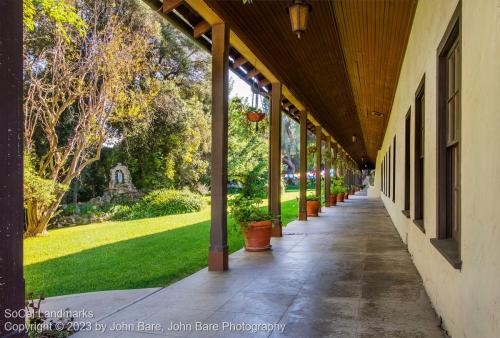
x=255 y=116
x=333 y=199
x=257 y=236
x=313 y=208
x=346 y=195
x=340 y=197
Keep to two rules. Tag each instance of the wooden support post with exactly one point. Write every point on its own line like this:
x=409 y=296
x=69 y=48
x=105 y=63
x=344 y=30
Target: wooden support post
x=319 y=135
x=328 y=165
x=11 y=166
x=218 y=251
x=275 y=159
x=303 y=166
x=334 y=158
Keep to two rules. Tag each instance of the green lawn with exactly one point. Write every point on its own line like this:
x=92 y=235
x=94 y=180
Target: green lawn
x=124 y=255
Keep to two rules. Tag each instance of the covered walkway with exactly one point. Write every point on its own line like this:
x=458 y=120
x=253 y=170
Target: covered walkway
x=344 y=274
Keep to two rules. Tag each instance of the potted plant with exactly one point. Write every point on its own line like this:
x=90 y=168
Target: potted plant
x=254 y=114
x=255 y=223
x=334 y=191
x=313 y=205
x=346 y=192
x=340 y=194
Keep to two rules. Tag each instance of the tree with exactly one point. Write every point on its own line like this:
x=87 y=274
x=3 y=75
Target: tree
x=170 y=147
x=76 y=87
x=248 y=147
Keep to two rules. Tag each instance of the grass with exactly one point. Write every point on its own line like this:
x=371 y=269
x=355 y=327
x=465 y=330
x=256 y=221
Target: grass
x=126 y=255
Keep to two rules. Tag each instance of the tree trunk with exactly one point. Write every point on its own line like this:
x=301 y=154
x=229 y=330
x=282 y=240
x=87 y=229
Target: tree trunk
x=38 y=217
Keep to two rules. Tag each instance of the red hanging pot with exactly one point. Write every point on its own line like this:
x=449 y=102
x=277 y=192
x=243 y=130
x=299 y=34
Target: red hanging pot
x=255 y=116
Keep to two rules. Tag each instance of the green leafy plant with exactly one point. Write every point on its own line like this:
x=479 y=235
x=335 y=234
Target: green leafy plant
x=312 y=198
x=245 y=210
x=254 y=109
x=254 y=182
x=336 y=190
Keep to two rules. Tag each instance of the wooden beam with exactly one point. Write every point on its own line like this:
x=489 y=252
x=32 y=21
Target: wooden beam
x=328 y=165
x=263 y=83
x=319 y=134
x=287 y=105
x=275 y=159
x=239 y=62
x=170 y=5
x=201 y=29
x=11 y=168
x=218 y=251
x=303 y=167
x=254 y=72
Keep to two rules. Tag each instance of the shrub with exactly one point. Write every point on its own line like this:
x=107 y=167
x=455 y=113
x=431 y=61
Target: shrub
x=160 y=203
x=312 y=198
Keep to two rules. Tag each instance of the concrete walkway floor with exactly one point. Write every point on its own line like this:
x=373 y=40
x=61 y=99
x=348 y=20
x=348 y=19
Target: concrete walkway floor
x=343 y=274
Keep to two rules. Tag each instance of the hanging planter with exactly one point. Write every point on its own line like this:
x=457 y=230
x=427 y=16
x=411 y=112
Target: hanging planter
x=254 y=113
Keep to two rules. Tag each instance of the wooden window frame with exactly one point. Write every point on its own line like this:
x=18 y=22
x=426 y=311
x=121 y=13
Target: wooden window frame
x=385 y=174
x=394 y=170
x=419 y=157
x=382 y=176
x=389 y=172
x=449 y=247
x=406 y=210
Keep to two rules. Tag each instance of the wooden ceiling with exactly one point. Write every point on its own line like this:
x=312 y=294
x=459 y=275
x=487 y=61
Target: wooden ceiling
x=343 y=68
x=373 y=35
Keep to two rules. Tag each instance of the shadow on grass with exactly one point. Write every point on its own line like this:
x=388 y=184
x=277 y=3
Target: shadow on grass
x=149 y=261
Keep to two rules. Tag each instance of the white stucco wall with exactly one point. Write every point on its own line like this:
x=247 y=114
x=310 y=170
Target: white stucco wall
x=468 y=300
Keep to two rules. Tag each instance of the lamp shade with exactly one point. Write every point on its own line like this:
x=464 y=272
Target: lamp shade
x=299 y=16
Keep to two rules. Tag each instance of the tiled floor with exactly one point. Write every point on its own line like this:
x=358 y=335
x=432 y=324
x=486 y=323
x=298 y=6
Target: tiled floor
x=343 y=274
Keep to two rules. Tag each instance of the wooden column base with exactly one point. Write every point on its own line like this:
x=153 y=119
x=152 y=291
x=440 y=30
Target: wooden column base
x=303 y=216
x=327 y=203
x=277 y=230
x=218 y=259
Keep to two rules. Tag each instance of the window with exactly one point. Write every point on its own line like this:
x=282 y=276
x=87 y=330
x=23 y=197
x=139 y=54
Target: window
x=419 y=155
x=389 y=172
x=386 y=178
x=406 y=210
x=449 y=142
x=394 y=170
x=382 y=176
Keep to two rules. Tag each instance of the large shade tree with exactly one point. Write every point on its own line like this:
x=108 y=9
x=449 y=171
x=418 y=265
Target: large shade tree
x=86 y=68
